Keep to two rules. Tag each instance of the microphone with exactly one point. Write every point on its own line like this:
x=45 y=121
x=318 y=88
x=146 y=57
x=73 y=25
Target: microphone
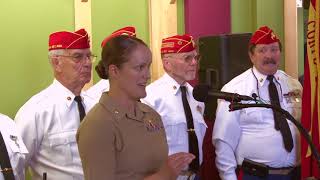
x=202 y=93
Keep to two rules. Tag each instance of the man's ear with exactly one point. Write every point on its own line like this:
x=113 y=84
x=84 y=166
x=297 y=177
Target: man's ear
x=166 y=63
x=251 y=56
x=56 y=63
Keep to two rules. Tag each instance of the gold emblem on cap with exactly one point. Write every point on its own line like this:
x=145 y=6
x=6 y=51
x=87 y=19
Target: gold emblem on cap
x=174 y=87
x=68 y=98
x=179 y=42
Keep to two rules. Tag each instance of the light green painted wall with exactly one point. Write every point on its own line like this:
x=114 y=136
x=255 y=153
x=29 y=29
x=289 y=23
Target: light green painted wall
x=243 y=16
x=25 y=26
x=108 y=16
x=180 y=12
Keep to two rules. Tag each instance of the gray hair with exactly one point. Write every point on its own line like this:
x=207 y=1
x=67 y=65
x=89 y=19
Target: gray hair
x=55 y=52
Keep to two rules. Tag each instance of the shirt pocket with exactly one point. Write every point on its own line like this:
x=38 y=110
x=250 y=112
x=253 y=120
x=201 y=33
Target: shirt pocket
x=200 y=126
x=176 y=129
x=294 y=108
x=251 y=116
x=60 y=145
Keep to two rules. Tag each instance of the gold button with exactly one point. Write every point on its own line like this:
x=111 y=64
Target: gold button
x=261 y=79
x=174 y=87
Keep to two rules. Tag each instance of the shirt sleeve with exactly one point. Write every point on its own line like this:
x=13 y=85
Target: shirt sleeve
x=97 y=149
x=225 y=161
x=30 y=129
x=225 y=138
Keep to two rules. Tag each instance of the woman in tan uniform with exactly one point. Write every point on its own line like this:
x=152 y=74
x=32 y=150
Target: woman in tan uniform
x=121 y=138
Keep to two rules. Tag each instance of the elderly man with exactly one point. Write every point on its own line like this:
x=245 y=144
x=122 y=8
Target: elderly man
x=103 y=85
x=12 y=151
x=260 y=141
x=171 y=96
x=48 y=122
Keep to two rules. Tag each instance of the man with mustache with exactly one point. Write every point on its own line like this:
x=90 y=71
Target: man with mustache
x=259 y=141
x=171 y=96
x=48 y=122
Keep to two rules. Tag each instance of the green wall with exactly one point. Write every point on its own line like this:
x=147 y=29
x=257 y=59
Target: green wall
x=108 y=16
x=180 y=14
x=25 y=26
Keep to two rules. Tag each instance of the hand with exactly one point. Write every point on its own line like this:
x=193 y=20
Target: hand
x=179 y=161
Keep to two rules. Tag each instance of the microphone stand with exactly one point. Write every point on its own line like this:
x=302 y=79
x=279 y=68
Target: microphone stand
x=237 y=106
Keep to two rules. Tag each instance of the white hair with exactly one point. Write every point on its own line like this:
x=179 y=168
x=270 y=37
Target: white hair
x=55 y=52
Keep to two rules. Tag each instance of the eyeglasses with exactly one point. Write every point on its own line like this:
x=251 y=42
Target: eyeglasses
x=77 y=58
x=264 y=50
x=189 y=58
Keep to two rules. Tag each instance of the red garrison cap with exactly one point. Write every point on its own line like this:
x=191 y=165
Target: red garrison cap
x=264 y=35
x=69 y=40
x=177 y=44
x=129 y=31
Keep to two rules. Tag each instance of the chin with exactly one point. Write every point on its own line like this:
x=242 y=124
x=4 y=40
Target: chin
x=142 y=95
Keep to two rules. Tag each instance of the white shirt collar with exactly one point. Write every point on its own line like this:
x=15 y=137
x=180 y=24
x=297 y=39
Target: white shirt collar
x=262 y=78
x=174 y=86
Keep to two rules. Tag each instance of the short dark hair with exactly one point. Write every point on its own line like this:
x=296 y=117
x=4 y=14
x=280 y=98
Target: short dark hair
x=116 y=51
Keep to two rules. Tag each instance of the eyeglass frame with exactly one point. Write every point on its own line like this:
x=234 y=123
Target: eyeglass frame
x=77 y=58
x=188 y=59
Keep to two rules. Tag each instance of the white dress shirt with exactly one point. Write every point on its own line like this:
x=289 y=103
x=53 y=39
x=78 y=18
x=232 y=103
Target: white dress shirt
x=15 y=147
x=48 y=123
x=97 y=89
x=250 y=133
x=164 y=96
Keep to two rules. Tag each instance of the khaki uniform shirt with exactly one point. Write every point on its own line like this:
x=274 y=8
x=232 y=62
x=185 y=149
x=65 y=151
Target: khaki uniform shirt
x=115 y=144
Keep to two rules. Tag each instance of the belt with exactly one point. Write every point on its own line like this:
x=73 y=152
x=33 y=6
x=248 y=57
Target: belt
x=281 y=171
x=262 y=170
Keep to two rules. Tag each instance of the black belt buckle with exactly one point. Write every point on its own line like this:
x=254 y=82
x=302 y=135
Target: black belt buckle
x=254 y=168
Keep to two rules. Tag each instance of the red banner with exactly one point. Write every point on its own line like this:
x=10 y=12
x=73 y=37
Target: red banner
x=310 y=100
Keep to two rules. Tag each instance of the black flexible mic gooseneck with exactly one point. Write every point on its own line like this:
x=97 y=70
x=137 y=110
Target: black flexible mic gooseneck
x=202 y=93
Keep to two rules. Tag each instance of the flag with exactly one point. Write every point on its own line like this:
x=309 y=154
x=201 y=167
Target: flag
x=311 y=98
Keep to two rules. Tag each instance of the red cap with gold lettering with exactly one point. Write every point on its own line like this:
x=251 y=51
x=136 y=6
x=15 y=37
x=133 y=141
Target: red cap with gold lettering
x=69 y=40
x=177 y=44
x=264 y=35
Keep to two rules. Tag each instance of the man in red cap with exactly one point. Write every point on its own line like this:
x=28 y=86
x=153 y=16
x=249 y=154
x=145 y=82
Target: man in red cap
x=49 y=120
x=261 y=142
x=103 y=85
x=171 y=96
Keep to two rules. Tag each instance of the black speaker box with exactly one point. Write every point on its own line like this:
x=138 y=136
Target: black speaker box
x=223 y=57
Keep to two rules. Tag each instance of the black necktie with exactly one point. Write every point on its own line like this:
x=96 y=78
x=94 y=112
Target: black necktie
x=5 y=164
x=82 y=112
x=279 y=119
x=192 y=137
